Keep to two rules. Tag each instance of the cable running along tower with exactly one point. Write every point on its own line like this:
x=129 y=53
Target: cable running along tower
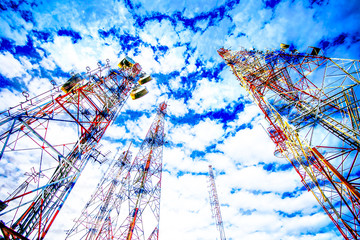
x=58 y=132
x=126 y=203
x=311 y=104
x=215 y=205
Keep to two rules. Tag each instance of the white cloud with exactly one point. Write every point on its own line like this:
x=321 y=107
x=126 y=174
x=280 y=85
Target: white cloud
x=173 y=60
x=267 y=28
x=184 y=33
x=220 y=161
x=5 y=96
x=199 y=136
x=37 y=86
x=192 y=210
x=76 y=57
x=250 y=114
x=85 y=19
x=187 y=8
x=161 y=32
x=27 y=64
x=9 y=66
x=246 y=178
x=115 y=132
x=202 y=24
x=177 y=107
x=48 y=63
x=299 y=224
x=191 y=67
x=9 y=22
x=178 y=160
x=175 y=84
x=146 y=59
x=248 y=146
x=68 y=56
x=137 y=128
x=210 y=95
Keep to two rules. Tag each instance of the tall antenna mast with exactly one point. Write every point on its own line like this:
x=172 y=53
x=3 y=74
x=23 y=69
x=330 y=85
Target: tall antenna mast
x=58 y=132
x=215 y=206
x=311 y=104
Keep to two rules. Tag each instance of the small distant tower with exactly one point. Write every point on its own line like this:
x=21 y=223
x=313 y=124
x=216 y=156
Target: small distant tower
x=215 y=206
x=126 y=204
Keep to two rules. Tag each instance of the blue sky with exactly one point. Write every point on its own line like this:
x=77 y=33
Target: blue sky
x=211 y=119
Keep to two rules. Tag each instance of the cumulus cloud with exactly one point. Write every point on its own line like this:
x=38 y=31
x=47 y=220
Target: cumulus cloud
x=199 y=136
x=161 y=32
x=192 y=209
x=48 y=64
x=175 y=84
x=146 y=58
x=6 y=94
x=173 y=60
x=115 y=132
x=9 y=22
x=76 y=57
x=10 y=67
x=205 y=97
x=39 y=85
x=248 y=145
x=246 y=178
x=177 y=107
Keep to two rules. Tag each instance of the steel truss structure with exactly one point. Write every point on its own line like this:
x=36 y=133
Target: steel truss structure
x=57 y=132
x=215 y=205
x=95 y=221
x=311 y=104
x=126 y=203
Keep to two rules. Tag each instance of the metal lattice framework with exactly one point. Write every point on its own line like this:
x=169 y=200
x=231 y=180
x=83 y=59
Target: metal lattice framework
x=97 y=218
x=126 y=203
x=215 y=205
x=57 y=132
x=310 y=102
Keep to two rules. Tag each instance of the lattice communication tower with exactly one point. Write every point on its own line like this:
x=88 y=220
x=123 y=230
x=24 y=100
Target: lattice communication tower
x=215 y=205
x=126 y=203
x=58 y=132
x=311 y=104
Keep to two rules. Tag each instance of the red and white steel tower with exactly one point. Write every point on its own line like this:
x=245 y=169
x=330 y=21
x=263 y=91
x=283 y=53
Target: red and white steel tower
x=215 y=205
x=57 y=132
x=311 y=104
x=126 y=203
